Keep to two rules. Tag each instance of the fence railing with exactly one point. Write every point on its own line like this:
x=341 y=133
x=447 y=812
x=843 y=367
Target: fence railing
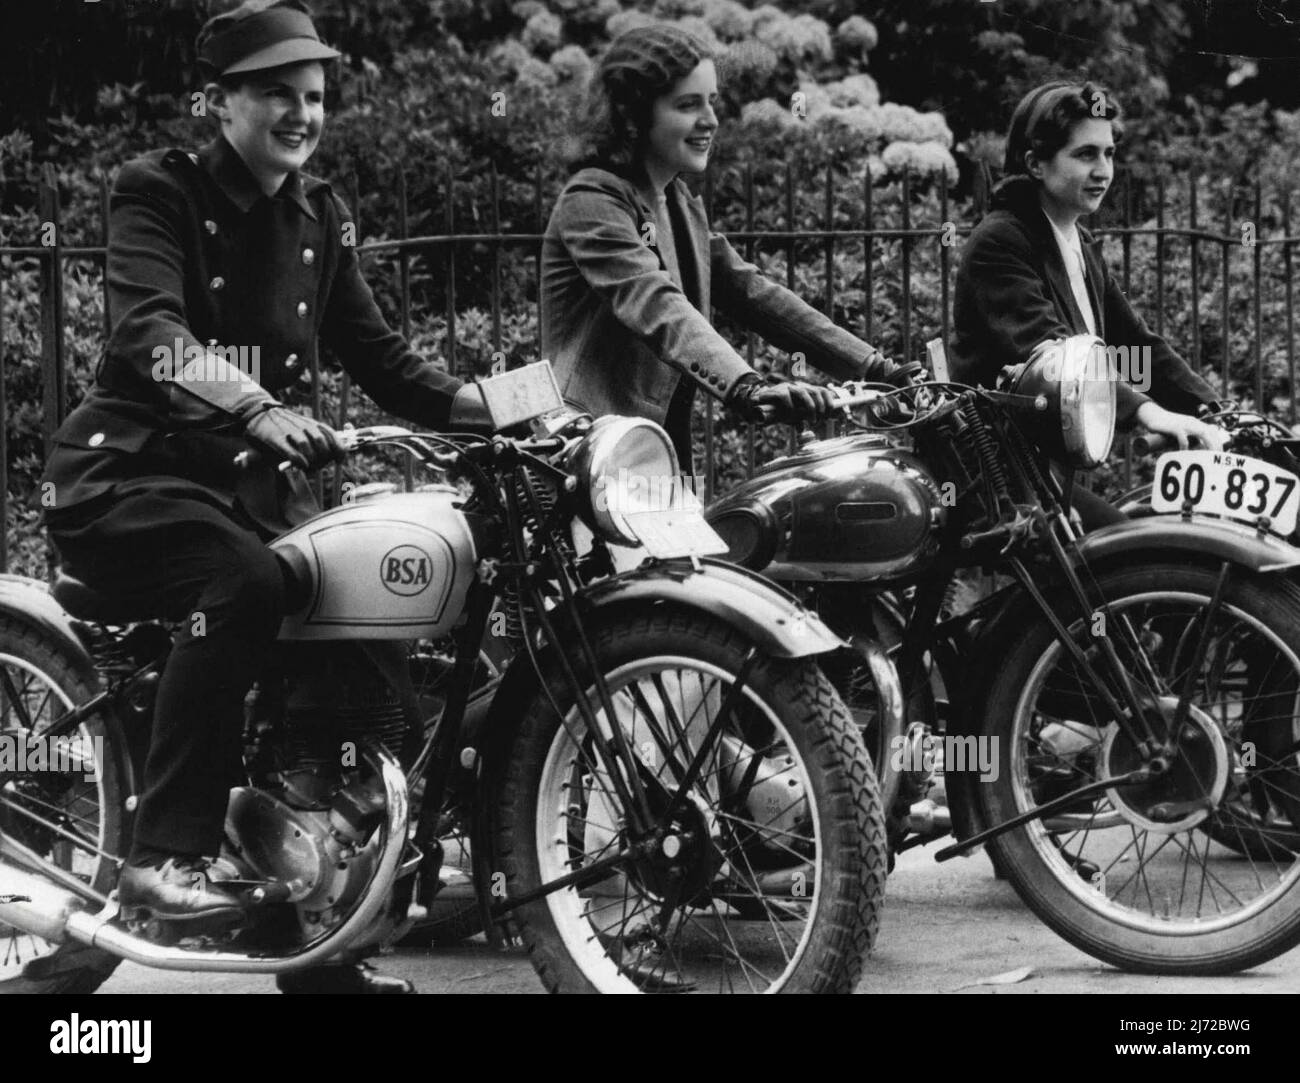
x=1137 y=216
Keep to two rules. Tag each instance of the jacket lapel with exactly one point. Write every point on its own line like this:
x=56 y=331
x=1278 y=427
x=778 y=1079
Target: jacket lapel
x=691 y=230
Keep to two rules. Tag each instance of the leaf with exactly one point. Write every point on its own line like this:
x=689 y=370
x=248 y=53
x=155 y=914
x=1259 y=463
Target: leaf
x=1008 y=977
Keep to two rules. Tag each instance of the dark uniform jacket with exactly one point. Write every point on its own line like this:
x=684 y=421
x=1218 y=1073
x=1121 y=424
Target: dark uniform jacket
x=199 y=256
x=1013 y=293
x=621 y=334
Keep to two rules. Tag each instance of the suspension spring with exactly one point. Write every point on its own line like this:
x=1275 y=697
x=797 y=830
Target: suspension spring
x=987 y=450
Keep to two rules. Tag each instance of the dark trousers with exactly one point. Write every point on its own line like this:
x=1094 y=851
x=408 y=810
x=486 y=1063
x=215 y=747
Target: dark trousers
x=199 y=563
x=1094 y=511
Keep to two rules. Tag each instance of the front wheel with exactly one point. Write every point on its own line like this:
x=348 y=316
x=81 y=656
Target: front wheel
x=768 y=876
x=1163 y=875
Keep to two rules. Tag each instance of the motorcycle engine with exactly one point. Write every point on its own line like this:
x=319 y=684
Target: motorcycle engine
x=308 y=821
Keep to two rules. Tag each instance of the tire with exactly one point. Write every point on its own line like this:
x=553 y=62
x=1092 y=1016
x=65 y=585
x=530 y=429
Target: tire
x=1051 y=738
x=791 y=716
x=42 y=672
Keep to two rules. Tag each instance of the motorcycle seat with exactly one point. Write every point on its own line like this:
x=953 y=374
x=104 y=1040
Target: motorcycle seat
x=87 y=603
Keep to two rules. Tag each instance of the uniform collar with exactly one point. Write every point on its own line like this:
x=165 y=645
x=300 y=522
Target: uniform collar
x=224 y=165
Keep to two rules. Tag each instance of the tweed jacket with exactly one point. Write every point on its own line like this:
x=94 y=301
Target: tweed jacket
x=1013 y=292
x=621 y=334
x=198 y=256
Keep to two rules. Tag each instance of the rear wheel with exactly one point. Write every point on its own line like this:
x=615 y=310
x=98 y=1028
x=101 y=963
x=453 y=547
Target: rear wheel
x=68 y=805
x=768 y=876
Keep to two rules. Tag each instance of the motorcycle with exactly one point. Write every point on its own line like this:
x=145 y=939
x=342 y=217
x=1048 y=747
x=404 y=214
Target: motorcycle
x=662 y=790
x=1105 y=713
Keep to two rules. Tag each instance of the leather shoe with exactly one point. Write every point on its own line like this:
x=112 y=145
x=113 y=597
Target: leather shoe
x=338 y=978
x=182 y=889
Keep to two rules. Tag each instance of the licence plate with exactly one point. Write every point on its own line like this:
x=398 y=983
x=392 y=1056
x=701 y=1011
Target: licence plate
x=1234 y=486
x=677 y=532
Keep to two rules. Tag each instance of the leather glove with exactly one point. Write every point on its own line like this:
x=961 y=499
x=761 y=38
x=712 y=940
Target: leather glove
x=304 y=441
x=791 y=400
x=903 y=375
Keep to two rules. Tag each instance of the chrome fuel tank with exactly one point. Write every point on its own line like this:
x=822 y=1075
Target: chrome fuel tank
x=397 y=567
x=856 y=508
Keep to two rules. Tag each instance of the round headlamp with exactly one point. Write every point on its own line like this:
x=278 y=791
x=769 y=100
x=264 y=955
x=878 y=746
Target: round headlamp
x=625 y=466
x=1077 y=377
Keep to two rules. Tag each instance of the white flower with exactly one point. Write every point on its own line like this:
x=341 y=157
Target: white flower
x=628 y=20
x=542 y=32
x=815 y=99
x=854 y=90
x=675 y=9
x=693 y=24
x=855 y=32
x=766 y=113
x=537 y=73
x=802 y=38
x=511 y=54
x=571 y=64
x=862 y=123
x=750 y=59
x=730 y=20
x=920 y=158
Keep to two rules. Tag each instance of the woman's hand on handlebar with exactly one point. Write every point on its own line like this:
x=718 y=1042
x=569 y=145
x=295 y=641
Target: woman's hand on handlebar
x=301 y=440
x=790 y=400
x=1181 y=428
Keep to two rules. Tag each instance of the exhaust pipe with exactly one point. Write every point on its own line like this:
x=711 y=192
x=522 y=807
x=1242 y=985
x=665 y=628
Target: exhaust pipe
x=56 y=915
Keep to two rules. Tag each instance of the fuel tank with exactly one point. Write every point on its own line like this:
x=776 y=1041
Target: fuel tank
x=856 y=508
x=395 y=567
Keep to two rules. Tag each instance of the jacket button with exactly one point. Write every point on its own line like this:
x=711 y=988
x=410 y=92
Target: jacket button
x=217 y=283
x=308 y=256
x=291 y=361
x=695 y=366
x=302 y=310
x=210 y=225
x=96 y=440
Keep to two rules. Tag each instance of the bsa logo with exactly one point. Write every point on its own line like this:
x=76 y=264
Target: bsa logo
x=405 y=570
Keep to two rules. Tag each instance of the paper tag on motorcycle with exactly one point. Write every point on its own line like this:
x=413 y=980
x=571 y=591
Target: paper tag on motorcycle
x=1233 y=486
x=676 y=532
x=522 y=394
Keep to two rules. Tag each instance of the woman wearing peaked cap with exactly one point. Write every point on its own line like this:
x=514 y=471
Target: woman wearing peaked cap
x=231 y=247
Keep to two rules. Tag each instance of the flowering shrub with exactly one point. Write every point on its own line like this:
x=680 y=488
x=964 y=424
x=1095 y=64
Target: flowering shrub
x=730 y=20
x=542 y=33
x=855 y=32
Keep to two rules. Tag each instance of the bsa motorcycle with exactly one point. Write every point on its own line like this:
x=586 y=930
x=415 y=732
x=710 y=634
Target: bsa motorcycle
x=1107 y=715
x=662 y=790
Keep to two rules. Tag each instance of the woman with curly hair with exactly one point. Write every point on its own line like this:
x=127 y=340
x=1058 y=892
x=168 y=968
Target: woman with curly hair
x=630 y=266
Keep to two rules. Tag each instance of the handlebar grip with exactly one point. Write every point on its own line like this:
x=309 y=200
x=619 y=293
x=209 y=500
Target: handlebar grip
x=1151 y=443
x=251 y=457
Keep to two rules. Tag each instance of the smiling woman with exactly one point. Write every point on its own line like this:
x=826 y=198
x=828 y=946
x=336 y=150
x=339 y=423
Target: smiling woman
x=630 y=266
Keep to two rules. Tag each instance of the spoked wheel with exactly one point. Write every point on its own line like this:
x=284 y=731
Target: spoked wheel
x=1138 y=874
x=67 y=806
x=767 y=875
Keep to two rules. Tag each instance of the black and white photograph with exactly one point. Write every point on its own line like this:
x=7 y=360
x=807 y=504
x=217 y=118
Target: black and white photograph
x=652 y=497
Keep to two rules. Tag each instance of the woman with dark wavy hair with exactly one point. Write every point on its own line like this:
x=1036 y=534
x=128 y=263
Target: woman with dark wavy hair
x=630 y=265
x=1031 y=275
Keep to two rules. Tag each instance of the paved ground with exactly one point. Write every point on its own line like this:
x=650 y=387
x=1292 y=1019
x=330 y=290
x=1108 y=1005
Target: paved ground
x=947 y=928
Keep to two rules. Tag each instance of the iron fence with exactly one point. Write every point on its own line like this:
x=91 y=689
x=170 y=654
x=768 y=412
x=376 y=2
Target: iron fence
x=1139 y=214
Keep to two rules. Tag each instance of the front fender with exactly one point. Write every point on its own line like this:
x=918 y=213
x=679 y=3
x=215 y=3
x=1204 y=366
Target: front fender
x=29 y=601
x=770 y=616
x=1198 y=535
